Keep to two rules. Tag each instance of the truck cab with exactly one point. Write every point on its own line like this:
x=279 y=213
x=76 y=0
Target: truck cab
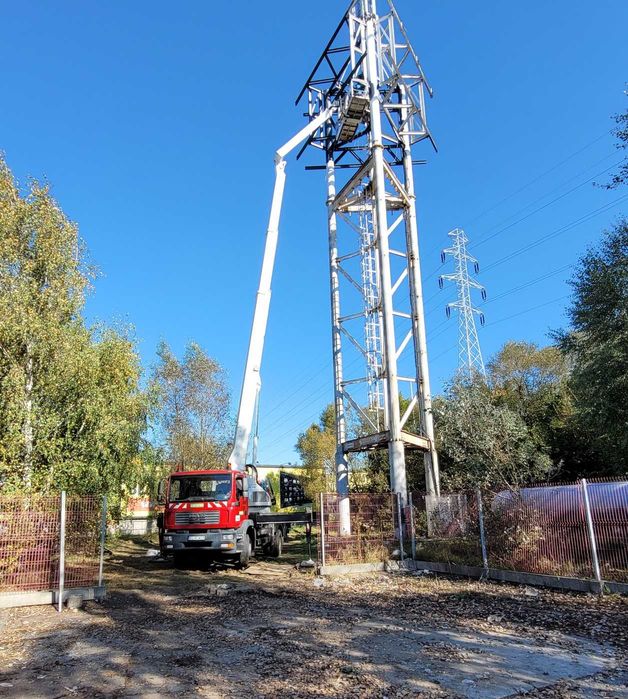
x=214 y=511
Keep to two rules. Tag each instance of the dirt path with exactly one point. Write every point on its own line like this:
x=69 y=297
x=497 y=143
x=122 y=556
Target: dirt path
x=278 y=632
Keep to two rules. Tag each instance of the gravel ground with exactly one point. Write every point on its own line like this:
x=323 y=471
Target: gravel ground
x=274 y=631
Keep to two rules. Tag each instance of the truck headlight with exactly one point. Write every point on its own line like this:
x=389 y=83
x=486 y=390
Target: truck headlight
x=227 y=537
x=167 y=538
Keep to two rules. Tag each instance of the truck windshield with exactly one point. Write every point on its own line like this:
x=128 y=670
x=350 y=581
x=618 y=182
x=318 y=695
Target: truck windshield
x=205 y=487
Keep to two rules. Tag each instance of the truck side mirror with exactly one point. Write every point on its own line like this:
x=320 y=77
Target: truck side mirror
x=161 y=492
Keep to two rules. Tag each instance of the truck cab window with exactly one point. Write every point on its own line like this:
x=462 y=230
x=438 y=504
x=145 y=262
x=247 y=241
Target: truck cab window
x=201 y=487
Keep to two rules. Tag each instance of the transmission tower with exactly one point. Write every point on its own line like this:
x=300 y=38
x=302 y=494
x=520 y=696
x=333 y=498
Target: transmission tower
x=371 y=79
x=469 y=353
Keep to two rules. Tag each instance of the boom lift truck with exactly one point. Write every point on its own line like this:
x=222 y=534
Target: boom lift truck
x=227 y=512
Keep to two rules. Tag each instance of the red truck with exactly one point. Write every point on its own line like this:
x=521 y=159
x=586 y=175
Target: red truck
x=221 y=513
x=227 y=512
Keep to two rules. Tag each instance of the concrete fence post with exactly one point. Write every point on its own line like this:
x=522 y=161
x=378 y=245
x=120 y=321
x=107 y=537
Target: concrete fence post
x=482 y=532
x=412 y=526
x=322 y=516
x=103 y=534
x=591 y=531
x=61 y=551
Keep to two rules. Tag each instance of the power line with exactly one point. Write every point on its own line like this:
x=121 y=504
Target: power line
x=544 y=206
x=279 y=422
x=557 y=232
x=292 y=430
x=505 y=318
x=432 y=335
x=563 y=229
x=317 y=372
x=541 y=176
x=513 y=290
x=525 y=285
x=536 y=179
x=523 y=218
x=555 y=189
x=528 y=310
x=443 y=329
x=510 y=316
x=314 y=395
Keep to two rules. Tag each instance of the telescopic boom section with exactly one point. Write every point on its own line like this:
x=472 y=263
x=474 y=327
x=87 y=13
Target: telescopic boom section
x=251 y=381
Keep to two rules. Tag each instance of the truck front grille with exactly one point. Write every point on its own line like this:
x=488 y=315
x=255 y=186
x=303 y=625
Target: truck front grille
x=197 y=517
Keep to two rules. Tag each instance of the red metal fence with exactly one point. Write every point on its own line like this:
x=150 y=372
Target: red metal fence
x=541 y=529
x=372 y=537
x=609 y=511
x=30 y=537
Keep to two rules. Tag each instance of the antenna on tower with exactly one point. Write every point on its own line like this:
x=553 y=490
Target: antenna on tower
x=469 y=353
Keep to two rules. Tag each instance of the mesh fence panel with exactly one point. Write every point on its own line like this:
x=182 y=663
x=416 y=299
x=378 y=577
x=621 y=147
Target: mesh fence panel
x=373 y=537
x=447 y=528
x=29 y=542
x=539 y=530
x=609 y=511
x=82 y=540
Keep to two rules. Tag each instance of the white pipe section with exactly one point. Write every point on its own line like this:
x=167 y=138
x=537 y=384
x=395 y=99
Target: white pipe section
x=237 y=460
x=396 y=452
x=432 y=474
x=342 y=465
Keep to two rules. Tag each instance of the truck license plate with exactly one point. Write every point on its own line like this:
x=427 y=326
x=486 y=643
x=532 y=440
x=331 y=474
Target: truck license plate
x=198 y=537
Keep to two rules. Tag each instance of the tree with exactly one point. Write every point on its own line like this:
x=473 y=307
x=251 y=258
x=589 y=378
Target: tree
x=597 y=347
x=377 y=469
x=71 y=410
x=484 y=444
x=193 y=416
x=317 y=449
x=621 y=132
x=533 y=382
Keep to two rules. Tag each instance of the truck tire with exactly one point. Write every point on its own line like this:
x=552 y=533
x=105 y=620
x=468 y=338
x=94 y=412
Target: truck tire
x=276 y=545
x=245 y=554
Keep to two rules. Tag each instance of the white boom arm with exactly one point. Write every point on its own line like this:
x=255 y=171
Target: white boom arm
x=251 y=381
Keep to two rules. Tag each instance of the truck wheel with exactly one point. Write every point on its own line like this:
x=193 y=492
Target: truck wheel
x=275 y=547
x=245 y=555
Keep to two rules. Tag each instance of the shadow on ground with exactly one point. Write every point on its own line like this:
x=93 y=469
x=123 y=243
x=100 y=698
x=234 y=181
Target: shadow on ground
x=276 y=633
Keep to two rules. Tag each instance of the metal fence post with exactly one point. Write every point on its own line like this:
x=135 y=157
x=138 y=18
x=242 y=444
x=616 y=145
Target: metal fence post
x=594 y=557
x=62 y=551
x=412 y=527
x=322 y=516
x=482 y=534
x=401 y=551
x=103 y=534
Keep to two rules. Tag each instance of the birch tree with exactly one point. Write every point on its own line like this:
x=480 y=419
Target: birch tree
x=193 y=416
x=71 y=410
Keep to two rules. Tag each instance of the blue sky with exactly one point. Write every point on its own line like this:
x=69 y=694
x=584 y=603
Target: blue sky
x=156 y=124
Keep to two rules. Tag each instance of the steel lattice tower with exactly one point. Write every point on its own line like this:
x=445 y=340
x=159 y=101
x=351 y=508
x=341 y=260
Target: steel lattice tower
x=370 y=78
x=469 y=353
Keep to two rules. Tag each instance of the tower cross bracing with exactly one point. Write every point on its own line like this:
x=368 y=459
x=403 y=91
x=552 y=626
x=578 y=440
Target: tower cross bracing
x=371 y=79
